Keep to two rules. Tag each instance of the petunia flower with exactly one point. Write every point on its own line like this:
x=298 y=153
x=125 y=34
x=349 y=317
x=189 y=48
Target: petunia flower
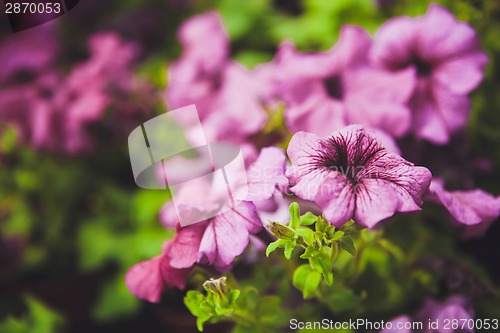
x=475 y=209
x=216 y=240
x=267 y=185
x=325 y=91
x=52 y=112
x=448 y=63
x=229 y=98
x=401 y=324
x=350 y=175
x=453 y=308
x=147 y=279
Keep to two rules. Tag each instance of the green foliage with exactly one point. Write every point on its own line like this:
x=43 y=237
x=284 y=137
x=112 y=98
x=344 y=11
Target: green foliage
x=40 y=319
x=320 y=246
x=250 y=311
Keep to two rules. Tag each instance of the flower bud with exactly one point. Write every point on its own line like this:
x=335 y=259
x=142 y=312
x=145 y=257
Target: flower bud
x=216 y=286
x=281 y=231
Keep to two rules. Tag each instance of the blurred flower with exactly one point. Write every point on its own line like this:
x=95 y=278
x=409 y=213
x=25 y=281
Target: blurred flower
x=350 y=175
x=221 y=89
x=267 y=184
x=147 y=279
x=52 y=112
x=214 y=241
x=448 y=63
x=26 y=54
x=453 y=308
x=475 y=209
x=399 y=325
x=266 y=176
x=26 y=80
x=326 y=91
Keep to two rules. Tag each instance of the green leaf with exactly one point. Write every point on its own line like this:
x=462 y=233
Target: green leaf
x=307 y=280
x=321 y=224
x=300 y=276
x=310 y=252
x=311 y=284
x=306 y=233
x=294 y=215
x=338 y=235
x=289 y=246
x=323 y=264
x=274 y=245
x=347 y=244
x=308 y=219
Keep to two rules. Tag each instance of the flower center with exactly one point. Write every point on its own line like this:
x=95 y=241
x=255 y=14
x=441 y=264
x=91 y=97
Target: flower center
x=334 y=87
x=347 y=156
x=423 y=67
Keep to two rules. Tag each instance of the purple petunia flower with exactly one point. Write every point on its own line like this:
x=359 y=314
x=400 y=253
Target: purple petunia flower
x=52 y=111
x=454 y=307
x=147 y=279
x=448 y=63
x=217 y=240
x=228 y=97
x=349 y=175
x=325 y=91
x=475 y=209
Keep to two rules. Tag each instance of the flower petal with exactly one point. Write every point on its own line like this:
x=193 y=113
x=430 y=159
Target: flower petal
x=144 y=280
x=185 y=245
x=226 y=236
x=267 y=174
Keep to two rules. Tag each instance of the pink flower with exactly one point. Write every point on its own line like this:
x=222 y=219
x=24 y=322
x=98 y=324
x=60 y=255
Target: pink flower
x=399 y=325
x=448 y=63
x=267 y=183
x=53 y=112
x=147 y=279
x=221 y=89
x=196 y=77
x=215 y=241
x=266 y=176
x=26 y=54
x=455 y=307
x=218 y=240
x=350 y=175
x=326 y=91
x=475 y=209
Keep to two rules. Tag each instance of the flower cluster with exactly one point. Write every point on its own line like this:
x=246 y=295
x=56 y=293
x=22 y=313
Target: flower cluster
x=346 y=110
x=52 y=110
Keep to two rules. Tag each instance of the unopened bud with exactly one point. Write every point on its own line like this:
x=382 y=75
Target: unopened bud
x=281 y=231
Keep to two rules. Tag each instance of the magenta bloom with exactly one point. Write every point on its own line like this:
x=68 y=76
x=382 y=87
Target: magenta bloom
x=448 y=63
x=325 y=91
x=267 y=183
x=215 y=241
x=52 y=111
x=400 y=324
x=349 y=175
x=221 y=89
x=266 y=176
x=453 y=308
x=147 y=279
x=475 y=209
